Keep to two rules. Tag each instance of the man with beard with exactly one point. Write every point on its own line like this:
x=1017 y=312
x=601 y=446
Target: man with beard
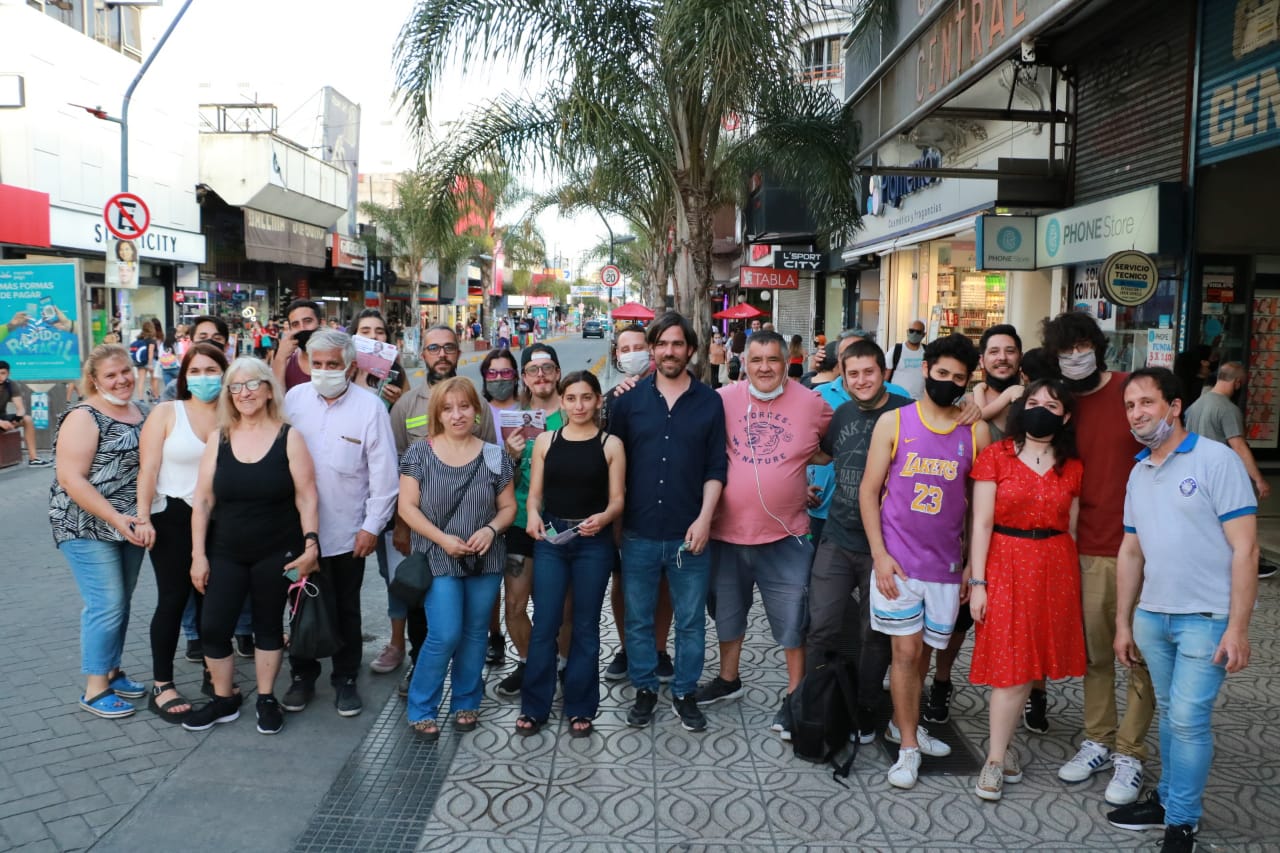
x=291 y=366
x=1107 y=449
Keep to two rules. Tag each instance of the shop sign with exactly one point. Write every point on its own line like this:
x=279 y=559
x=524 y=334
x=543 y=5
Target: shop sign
x=1129 y=278
x=24 y=216
x=892 y=189
x=45 y=344
x=73 y=229
x=770 y=278
x=1160 y=348
x=812 y=261
x=1006 y=242
x=1239 y=95
x=1100 y=229
x=268 y=237
x=348 y=253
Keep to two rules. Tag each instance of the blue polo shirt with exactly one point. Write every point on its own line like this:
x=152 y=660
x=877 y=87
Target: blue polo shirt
x=671 y=453
x=824 y=476
x=1177 y=510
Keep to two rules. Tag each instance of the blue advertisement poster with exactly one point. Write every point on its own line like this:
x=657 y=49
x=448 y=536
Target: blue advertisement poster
x=39 y=335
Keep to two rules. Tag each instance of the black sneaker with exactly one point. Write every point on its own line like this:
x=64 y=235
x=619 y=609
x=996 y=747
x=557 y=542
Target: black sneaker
x=510 y=686
x=938 y=707
x=1266 y=569
x=617 y=669
x=1035 y=714
x=219 y=709
x=497 y=654
x=782 y=719
x=1144 y=814
x=691 y=717
x=641 y=713
x=270 y=717
x=403 y=687
x=346 y=698
x=666 y=669
x=244 y=645
x=717 y=689
x=1180 y=838
x=301 y=691
x=195 y=651
x=38 y=462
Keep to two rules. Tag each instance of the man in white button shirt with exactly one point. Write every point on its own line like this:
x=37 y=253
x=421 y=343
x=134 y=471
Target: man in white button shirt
x=348 y=432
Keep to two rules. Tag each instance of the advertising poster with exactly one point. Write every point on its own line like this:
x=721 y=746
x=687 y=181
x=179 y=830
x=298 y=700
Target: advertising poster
x=122 y=264
x=38 y=316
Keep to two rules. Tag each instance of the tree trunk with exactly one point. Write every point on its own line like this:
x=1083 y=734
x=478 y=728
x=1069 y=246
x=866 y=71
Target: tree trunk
x=693 y=268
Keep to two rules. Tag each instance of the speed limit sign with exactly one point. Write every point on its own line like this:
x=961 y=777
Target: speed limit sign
x=610 y=275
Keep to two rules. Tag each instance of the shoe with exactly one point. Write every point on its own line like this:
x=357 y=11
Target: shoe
x=691 y=717
x=270 y=717
x=107 y=705
x=1012 y=769
x=716 y=689
x=1126 y=781
x=990 y=782
x=244 y=646
x=641 y=713
x=906 y=769
x=301 y=691
x=666 y=669
x=403 y=687
x=929 y=745
x=1035 y=713
x=865 y=732
x=782 y=719
x=125 y=687
x=510 y=686
x=1180 y=838
x=497 y=654
x=617 y=669
x=219 y=709
x=388 y=660
x=1091 y=758
x=937 y=709
x=1266 y=569
x=1147 y=813
x=347 y=698
x=38 y=462
x=195 y=651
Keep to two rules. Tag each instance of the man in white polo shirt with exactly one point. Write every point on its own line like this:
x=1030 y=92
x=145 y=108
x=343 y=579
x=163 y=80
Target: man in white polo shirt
x=1189 y=559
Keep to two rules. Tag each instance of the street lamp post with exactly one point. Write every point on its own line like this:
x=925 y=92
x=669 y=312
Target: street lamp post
x=625 y=238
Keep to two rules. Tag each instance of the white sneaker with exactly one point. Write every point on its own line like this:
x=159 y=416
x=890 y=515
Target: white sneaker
x=990 y=782
x=929 y=745
x=1012 y=769
x=1126 y=782
x=1091 y=758
x=906 y=769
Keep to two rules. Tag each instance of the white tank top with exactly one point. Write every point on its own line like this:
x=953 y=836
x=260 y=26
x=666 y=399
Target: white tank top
x=179 y=461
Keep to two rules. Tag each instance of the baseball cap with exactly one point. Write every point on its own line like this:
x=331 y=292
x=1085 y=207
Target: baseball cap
x=538 y=352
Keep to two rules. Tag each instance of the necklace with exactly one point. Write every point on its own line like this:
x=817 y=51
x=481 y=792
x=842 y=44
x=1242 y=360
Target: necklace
x=1040 y=447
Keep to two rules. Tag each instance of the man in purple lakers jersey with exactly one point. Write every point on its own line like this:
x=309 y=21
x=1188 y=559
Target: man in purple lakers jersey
x=914 y=499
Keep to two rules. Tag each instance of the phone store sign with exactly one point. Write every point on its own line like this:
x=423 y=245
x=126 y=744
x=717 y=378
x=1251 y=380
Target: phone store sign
x=1095 y=231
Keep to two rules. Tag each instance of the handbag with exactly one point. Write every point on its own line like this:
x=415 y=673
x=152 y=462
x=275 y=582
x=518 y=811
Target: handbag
x=411 y=580
x=313 y=628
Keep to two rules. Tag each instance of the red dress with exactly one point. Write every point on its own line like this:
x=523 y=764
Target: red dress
x=1034 y=628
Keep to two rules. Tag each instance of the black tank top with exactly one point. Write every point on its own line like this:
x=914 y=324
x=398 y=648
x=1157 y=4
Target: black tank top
x=575 y=476
x=254 y=510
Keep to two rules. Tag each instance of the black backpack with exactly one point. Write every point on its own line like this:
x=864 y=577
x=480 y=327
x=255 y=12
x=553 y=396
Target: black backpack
x=140 y=351
x=823 y=714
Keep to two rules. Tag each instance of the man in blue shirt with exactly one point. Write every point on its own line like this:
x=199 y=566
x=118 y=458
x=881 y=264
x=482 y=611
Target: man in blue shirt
x=673 y=429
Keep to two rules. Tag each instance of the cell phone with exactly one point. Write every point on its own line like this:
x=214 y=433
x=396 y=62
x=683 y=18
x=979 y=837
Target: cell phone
x=292 y=575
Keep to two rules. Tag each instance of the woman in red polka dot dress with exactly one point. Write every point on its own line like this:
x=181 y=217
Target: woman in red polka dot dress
x=1025 y=574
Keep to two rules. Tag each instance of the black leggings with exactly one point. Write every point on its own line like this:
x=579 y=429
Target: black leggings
x=171 y=560
x=230 y=580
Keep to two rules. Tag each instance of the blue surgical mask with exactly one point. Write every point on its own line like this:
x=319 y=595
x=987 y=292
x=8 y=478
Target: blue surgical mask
x=204 y=388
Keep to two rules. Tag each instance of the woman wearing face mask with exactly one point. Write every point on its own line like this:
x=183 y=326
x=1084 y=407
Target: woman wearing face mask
x=498 y=370
x=1025 y=586
x=370 y=324
x=172 y=443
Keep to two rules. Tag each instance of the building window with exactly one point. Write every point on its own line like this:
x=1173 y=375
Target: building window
x=821 y=59
x=69 y=12
x=131 y=30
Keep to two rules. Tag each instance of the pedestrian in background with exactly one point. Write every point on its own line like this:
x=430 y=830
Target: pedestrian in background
x=795 y=357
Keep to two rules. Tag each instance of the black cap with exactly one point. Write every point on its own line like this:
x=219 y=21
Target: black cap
x=526 y=354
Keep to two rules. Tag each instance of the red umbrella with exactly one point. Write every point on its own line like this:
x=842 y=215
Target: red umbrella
x=631 y=311
x=741 y=311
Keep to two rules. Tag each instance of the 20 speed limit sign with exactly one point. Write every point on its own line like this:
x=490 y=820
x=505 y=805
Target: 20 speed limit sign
x=610 y=275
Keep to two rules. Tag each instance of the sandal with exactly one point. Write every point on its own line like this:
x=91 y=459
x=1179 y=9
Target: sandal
x=466 y=721
x=428 y=730
x=526 y=725
x=123 y=685
x=580 y=727
x=163 y=711
x=107 y=705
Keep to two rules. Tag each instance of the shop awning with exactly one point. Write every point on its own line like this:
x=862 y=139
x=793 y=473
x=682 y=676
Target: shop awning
x=902 y=241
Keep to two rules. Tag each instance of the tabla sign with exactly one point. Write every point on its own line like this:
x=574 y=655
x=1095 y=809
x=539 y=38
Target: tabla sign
x=770 y=278
x=1129 y=278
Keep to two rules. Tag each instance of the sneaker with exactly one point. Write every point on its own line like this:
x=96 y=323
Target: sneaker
x=195 y=651
x=906 y=769
x=666 y=669
x=388 y=660
x=937 y=708
x=510 y=686
x=244 y=645
x=346 y=698
x=1091 y=758
x=270 y=717
x=38 y=462
x=1035 y=713
x=716 y=689
x=865 y=732
x=641 y=712
x=691 y=717
x=1126 y=781
x=617 y=669
x=990 y=782
x=1266 y=569
x=1147 y=813
x=219 y=709
x=1012 y=769
x=782 y=720
x=1179 y=838
x=497 y=654
x=929 y=745
x=403 y=687
x=301 y=691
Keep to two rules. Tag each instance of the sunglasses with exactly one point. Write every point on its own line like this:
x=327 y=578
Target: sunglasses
x=502 y=373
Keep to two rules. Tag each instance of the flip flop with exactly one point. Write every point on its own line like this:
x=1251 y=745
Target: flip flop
x=107 y=705
x=580 y=727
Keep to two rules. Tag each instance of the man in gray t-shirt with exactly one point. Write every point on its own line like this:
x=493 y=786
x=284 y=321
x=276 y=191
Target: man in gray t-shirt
x=1214 y=416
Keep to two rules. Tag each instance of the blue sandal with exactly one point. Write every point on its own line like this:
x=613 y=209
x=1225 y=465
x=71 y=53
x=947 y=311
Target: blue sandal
x=107 y=705
x=122 y=685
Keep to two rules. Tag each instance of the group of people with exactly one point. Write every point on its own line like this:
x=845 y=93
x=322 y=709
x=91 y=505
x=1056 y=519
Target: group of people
x=1016 y=507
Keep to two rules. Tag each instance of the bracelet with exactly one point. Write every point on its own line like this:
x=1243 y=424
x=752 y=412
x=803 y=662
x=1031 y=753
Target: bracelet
x=977 y=582
x=313 y=536
x=492 y=529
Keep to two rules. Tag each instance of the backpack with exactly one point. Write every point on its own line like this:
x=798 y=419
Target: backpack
x=141 y=352
x=897 y=357
x=823 y=714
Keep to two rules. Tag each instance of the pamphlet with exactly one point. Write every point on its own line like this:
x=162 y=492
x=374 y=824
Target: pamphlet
x=527 y=422
x=374 y=357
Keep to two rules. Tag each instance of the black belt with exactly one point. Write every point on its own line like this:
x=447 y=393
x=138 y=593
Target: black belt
x=1034 y=533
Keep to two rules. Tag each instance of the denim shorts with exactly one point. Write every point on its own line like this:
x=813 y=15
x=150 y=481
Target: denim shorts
x=780 y=569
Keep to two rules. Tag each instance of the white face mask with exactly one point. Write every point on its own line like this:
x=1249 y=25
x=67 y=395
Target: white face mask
x=1078 y=365
x=111 y=398
x=766 y=396
x=329 y=383
x=635 y=362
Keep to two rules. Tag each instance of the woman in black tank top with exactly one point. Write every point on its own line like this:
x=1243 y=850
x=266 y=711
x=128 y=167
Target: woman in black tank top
x=575 y=494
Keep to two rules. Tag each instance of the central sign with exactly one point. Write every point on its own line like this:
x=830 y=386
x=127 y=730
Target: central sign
x=769 y=278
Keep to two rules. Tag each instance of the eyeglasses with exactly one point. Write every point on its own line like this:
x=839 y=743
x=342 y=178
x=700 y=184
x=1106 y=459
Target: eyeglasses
x=543 y=369
x=1081 y=347
x=252 y=385
x=447 y=349
x=504 y=373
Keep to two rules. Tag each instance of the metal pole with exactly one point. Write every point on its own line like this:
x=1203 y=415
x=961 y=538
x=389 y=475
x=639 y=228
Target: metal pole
x=128 y=96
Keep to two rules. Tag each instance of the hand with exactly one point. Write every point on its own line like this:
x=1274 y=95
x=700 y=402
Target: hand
x=288 y=344
x=400 y=537
x=970 y=412
x=698 y=534
x=482 y=540
x=5 y=426
x=813 y=496
x=1013 y=392
x=815 y=360
x=146 y=531
x=515 y=444
x=886 y=568
x=592 y=524
x=965 y=589
x=128 y=527
x=391 y=393
x=978 y=603
x=627 y=383
x=1125 y=648
x=534 y=527
x=307 y=563
x=1233 y=650
x=365 y=543
x=200 y=573
x=455 y=547
x=19 y=319
x=1263 y=487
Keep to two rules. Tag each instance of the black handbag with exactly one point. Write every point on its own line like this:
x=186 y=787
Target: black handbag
x=313 y=627
x=411 y=579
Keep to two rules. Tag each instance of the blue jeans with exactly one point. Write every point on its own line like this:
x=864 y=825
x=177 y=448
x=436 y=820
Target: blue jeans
x=106 y=573
x=458 y=613
x=643 y=562
x=385 y=552
x=244 y=625
x=583 y=564
x=1179 y=650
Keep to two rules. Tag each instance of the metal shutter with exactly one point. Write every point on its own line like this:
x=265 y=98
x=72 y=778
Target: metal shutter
x=795 y=312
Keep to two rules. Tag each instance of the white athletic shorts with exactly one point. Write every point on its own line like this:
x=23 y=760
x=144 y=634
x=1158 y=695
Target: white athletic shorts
x=920 y=606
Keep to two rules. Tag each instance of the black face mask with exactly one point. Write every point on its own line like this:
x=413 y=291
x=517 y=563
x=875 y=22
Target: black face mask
x=943 y=392
x=1084 y=386
x=1041 y=423
x=998 y=385
x=302 y=337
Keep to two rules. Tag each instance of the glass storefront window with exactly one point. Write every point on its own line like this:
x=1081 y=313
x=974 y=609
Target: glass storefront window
x=1126 y=328
x=967 y=301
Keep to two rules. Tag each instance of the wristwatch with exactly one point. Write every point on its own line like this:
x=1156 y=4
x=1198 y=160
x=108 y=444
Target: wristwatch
x=313 y=536
x=977 y=582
